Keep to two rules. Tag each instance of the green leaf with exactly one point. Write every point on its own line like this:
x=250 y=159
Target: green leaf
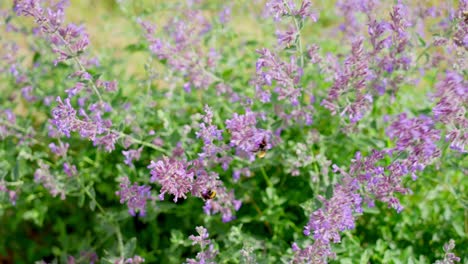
x=36 y=57
x=81 y=199
x=422 y=43
x=136 y=47
x=16 y=171
x=92 y=203
x=459 y=229
x=129 y=247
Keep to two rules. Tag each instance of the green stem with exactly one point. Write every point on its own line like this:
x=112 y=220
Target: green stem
x=79 y=64
x=144 y=143
x=265 y=176
x=299 y=42
x=298 y=38
x=19 y=129
x=120 y=241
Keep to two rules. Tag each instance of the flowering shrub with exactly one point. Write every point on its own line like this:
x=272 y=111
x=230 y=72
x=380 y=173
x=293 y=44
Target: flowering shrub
x=280 y=131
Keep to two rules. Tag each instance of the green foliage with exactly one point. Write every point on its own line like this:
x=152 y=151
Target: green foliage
x=276 y=205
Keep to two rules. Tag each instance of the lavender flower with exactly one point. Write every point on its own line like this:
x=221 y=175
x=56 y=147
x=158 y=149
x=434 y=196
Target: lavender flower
x=349 y=9
x=313 y=53
x=449 y=257
x=351 y=79
x=27 y=93
x=60 y=150
x=377 y=37
x=280 y=8
x=135 y=196
x=336 y=214
x=225 y=203
x=238 y=172
x=377 y=181
x=8 y=57
x=460 y=37
x=132 y=154
x=225 y=14
x=69 y=169
x=183 y=48
x=451 y=109
x=67 y=40
x=369 y=179
x=417 y=137
x=286 y=75
x=64 y=118
x=396 y=56
x=287 y=37
x=318 y=253
x=245 y=136
x=208 y=253
x=11 y=194
x=214 y=149
x=43 y=176
x=173 y=177
x=107 y=141
x=109 y=86
x=7 y=118
x=209 y=133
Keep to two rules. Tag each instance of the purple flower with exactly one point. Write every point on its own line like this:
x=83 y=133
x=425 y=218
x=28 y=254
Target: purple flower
x=313 y=53
x=238 y=172
x=452 y=95
x=6 y=117
x=27 y=93
x=135 y=196
x=377 y=32
x=449 y=257
x=70 y=170
x=183 y=48
x=64 y=116
x=110 y=86
x=173 y=177
x=318 y=253
x=286 y=38
x=107 y=141
x=225 y=15
x=351 y=80
x=132 y=154
x=12 y=195
x=336 y=214
x=349 y=9
x=225 y=203
x=280 y=8
x=67 y=40
x=286 y=75
x=60 y=150
x=207 y=253
x=244 y=134
x=417 y=137
x=75 y=90
x=209 y=133
x=133 y=260
x=92 y=127
x=43 y=176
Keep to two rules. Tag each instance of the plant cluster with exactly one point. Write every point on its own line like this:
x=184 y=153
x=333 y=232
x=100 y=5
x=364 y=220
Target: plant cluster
x=336 y=132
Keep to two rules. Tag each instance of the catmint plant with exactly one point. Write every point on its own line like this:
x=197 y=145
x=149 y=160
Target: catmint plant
x=295 y=131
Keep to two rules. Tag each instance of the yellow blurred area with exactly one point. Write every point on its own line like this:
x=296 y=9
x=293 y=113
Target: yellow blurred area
x=111 y=23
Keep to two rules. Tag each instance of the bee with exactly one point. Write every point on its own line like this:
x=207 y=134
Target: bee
x=261 y=151
x=208 y=194
x=465 y=16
